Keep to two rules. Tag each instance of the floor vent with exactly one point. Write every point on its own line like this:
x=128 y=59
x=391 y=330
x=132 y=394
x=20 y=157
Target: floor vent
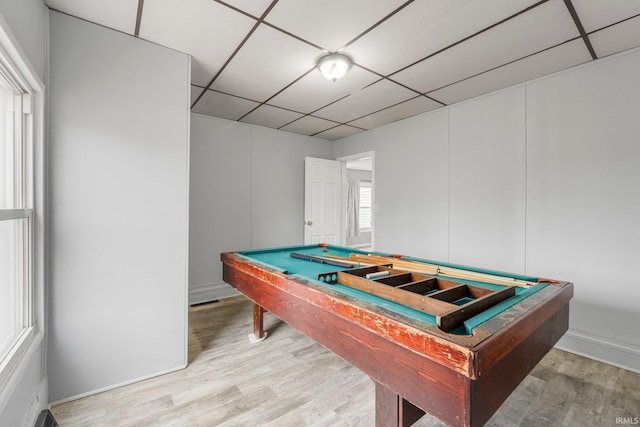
x=45 y=419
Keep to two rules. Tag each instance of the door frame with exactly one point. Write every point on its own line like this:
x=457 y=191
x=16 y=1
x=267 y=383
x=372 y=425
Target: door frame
x=343 y=197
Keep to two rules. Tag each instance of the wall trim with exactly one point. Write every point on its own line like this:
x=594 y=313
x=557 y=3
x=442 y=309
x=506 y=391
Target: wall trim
x=211 y=292
x=117 y=385
x=606 y=349
x=38 y=404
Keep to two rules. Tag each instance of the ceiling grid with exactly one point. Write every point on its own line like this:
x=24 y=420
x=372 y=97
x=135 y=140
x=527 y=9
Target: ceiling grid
x=253 y=61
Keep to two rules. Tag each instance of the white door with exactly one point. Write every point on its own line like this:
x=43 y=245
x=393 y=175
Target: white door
x=322 y=219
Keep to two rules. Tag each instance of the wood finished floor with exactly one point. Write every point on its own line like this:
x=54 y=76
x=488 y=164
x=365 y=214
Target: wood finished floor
x=289 y=380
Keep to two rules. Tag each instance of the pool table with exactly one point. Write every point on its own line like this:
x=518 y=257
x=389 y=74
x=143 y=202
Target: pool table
x=450 y=340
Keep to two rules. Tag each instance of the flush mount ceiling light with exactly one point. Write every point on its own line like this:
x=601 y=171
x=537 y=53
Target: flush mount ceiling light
x=334 y=66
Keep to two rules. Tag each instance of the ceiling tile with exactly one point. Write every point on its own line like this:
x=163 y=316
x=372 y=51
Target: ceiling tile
x=219 y=104
x=329 y=24
x=117 y=14
x=272 y=117
x=595 y=14
x=425 y=27
x=313 y=91
x=617 y=38
x=547 y=62
x=412 y=107
x=207 y=30
x=459 y=49
x=338 y=132
x=268 y=62
x=512 y=40
x=309 y=125
x=253 y=7
x=370 y=99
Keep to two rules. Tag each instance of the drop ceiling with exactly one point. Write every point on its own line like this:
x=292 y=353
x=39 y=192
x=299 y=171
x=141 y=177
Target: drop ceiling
x=254 y=60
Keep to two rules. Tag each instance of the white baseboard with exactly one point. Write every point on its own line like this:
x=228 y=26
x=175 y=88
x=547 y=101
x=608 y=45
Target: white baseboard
x=211 y=292
x=39 y=403
x=604 y=349
x=111 y=387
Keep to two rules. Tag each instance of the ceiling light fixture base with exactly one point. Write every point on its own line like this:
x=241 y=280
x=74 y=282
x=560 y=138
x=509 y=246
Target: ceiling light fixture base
x=334 y=66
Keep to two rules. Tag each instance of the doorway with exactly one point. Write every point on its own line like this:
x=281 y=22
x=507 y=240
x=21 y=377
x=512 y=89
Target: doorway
x=358 y=200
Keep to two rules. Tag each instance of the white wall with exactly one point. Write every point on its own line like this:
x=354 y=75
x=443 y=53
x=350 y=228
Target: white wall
x=119 y=154
x=540 y=179
x=220 y=202
x=411 y=183
x=583 y=187
x=247 y=187
x=487 y=181
x=28 y=22
x=27 y=392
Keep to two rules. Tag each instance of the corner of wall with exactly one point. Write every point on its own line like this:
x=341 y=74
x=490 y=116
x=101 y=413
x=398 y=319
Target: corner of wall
x=211 y=292
x=608 y=350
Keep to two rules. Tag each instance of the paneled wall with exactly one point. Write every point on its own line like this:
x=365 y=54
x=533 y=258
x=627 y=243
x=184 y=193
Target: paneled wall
x=119 y=177
x=487 y=182
x=247 y=188
x=540 y=179
x=583 y=192
x=411 y=180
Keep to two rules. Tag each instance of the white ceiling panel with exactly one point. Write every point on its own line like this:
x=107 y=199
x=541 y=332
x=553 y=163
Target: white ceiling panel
x=516 y=38
x=329 y=24
x=272 y=117
x=547 y=62
x=370 y=99
x=412 y=107
x=617 y=38
x=338 y=132
x=253 y=7
x=451 y=50
x=309 y=125
x=314 y=91
x=205 y=29
x=424 y=27
x=596 y=14
x=117 y=14
x=221 y=105
x=269 y=61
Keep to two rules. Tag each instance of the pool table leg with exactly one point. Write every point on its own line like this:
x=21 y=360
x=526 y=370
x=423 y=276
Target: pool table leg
x=393 y=410
x=259 y=333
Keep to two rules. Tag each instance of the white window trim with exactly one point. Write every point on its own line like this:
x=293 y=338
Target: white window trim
x=13 y=58
x=369 y=183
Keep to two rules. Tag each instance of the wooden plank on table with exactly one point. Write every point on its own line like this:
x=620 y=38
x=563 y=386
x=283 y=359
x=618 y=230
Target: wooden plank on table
x=438 y=270
x=451 y=294
x=423 y=286
x=451 y=320
x=400 y=296
x=395 y=279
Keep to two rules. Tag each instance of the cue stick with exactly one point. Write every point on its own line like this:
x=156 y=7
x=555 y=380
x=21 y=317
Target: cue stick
x=376 y=275
x=358 y=262
x=321 y=260
x=457 y=273
x=426 y=268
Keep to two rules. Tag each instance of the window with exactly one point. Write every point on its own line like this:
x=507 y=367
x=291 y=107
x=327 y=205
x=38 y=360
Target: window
x=366 y=200
x=19 y=327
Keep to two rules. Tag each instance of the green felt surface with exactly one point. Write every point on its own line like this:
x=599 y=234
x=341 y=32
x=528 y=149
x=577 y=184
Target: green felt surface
x=280 y=259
